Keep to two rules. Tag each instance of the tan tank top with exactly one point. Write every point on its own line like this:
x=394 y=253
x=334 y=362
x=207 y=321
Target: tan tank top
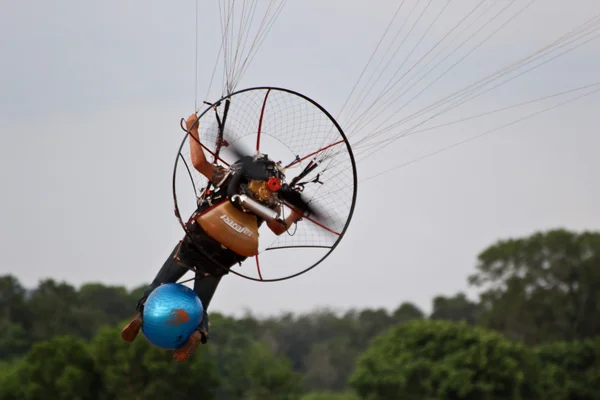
x=233 y=228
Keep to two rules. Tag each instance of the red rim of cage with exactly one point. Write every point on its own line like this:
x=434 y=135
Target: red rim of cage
x=215 y=154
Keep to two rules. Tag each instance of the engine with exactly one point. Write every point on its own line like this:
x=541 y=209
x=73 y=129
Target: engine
x=263 y=180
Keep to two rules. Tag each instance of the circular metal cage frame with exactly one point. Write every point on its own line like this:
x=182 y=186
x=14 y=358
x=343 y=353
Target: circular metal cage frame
x=344 y=140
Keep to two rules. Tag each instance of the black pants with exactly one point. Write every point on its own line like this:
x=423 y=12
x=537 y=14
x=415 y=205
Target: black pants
x=196 y=251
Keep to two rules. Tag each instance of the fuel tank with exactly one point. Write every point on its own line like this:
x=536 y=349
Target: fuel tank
x=233 y=228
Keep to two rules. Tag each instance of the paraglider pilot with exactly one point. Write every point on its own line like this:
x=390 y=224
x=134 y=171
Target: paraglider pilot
x=221 y=233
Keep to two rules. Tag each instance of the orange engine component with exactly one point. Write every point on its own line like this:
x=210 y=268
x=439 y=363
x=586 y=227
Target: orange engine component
x=260 y=190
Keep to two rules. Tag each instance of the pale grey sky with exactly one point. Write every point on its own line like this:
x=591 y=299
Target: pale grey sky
x=91 y=94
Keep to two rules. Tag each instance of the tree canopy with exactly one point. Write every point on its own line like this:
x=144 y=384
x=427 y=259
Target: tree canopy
x=532 y=334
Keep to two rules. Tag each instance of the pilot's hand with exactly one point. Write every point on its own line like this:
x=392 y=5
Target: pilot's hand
x=191 y=121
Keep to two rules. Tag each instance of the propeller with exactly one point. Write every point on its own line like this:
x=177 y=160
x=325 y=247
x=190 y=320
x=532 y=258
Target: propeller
x=295 y=199
x=255 y=170
x=237 y=150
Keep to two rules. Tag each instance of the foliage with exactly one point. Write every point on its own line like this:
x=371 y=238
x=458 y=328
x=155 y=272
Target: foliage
x=542 y=288
x=264 y=376
x=60 y=368
x=444 y=360
x=15 y=318
x=455 y=308
x=570 y=370
x=249 y=369
x=14 y=340
x=138 y=370
x=347 y=395
x=533 y=334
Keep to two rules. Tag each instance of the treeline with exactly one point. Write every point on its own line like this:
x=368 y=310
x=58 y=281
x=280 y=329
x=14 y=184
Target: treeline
x=532 y=335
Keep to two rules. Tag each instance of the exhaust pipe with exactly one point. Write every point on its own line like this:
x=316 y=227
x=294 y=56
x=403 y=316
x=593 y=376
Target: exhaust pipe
x=262 y=211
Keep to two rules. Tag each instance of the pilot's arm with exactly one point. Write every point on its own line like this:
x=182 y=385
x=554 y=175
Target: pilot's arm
x=199 y=161
x=278 y=228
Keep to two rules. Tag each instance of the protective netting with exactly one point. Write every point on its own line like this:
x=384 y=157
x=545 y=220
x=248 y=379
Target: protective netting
x=295 y=131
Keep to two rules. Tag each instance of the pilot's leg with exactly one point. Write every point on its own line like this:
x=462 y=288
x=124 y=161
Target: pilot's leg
x=205 y=287
x=171 y=271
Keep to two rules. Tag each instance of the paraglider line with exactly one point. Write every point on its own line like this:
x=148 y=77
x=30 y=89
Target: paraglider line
x=196 y=64
x=221 y=129
x=472 y=138
x=260 y=121
x=297 y=160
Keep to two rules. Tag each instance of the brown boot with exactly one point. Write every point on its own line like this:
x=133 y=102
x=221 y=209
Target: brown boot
x=188 y=348
x=131 y=330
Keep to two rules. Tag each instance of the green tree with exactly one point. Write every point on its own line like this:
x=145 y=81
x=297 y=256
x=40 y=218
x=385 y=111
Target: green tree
x=249 y=369
x=570 y=370
x=372 y=323
x=13 y=304
x=407 y=312
x=543 y=287
x=138 y=370
x=110 y=304
x=334 y=343
x=60 y=368
x=267 y=376
x=294 y=335
x=348 y=395
x=330 y=362
x=56 y=309
x=15 y=318
x=137 y=292
x=444 y=360
x=9 y=381
x=323 y=345
x=455 y=308
x=13 y=339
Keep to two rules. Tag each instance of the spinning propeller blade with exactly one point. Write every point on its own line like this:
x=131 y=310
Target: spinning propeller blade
x=287 y=193
x=295 y=199
x=237 y=150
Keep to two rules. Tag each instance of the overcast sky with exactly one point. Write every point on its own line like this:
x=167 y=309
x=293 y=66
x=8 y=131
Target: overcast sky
x=91 y=94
